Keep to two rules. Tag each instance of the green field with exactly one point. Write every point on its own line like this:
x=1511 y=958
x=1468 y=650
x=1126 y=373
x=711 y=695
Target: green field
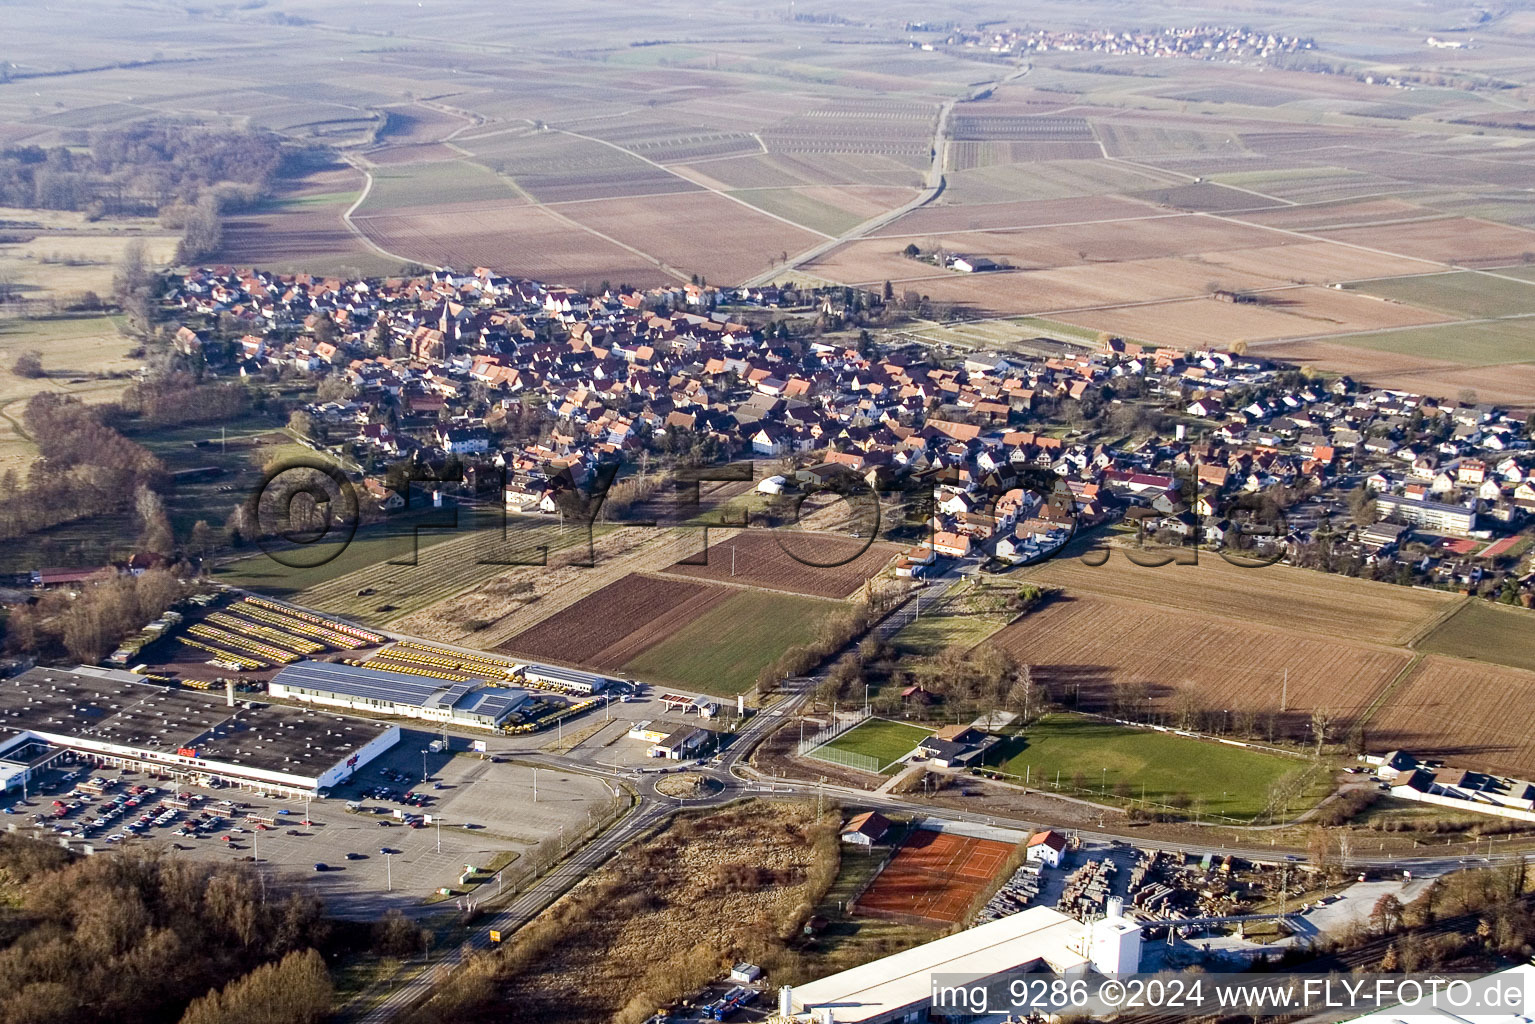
x=1481 y=631
x=881 y=739
x=723 y=651
x=1473 y=344
x=970 y=612
x=454 y=181
x=1466 y=293
x=374 y=545
x=1091 y=759
x=83 y=355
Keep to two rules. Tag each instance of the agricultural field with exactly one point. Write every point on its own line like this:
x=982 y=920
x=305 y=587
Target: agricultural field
x=1481 y=631
x=1289 y=313
x=563 y=166
x=1116 y=764
x=940 y=218
x=618 y=623
x=53 y=256
x=722 y=651
x=516 y=238
x=1099 y=653
x=707 y=234
x=1459 y=240
x=883 y=740
x=83 y=355
x=1053 y=179
x=1460 y=344
x=302 y=229
x=828 y=210
x=1497 y=381
x=969 y=612
x=1276 y=596
x=1347 y=213
x=814 y=564
x=1463 y=293
x=1470 y=713
x=405 y=187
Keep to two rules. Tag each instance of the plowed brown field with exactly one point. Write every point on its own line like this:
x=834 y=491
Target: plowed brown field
x=819 y=565
x=610 y=628
x=1082 y=647
x=1471 y=714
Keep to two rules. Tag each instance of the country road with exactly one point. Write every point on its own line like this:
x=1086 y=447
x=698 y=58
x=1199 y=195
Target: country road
x=932 y=188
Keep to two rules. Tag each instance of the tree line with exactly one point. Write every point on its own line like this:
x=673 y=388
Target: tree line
x=86 y=468
x=143 y=169
x=131 y=939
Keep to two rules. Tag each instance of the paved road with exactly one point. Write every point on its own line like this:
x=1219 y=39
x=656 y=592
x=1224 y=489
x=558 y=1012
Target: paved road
x=932 y=188
x=736 y=779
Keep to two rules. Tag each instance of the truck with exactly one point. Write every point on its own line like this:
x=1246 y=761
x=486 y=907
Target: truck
x=730 y=1002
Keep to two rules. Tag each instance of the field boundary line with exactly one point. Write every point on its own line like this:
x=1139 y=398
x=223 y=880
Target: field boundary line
x=346 y=216
x=671 y=173
x=1396 y=683
x=1428 y=628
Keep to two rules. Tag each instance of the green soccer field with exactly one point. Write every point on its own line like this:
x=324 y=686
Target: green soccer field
x=881 y=739
x=1119 y=765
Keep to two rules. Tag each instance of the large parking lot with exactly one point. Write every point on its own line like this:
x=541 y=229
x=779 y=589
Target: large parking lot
x=472 y=810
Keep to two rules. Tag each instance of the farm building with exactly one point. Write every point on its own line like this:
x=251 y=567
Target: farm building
x=468 y=703
x=865 y=829
x=194 y=736
x=1045 y=848
x=900 y=987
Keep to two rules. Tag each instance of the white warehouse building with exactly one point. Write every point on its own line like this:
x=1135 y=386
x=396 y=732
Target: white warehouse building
x=899 y=989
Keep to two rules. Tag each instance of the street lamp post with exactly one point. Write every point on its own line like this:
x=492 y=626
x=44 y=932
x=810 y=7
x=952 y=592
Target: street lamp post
x=389 y=871
x=423 y=765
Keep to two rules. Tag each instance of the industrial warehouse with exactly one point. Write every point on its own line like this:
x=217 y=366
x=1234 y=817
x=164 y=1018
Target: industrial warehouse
x=468 y=703
x=900 y=987
x=194 y=736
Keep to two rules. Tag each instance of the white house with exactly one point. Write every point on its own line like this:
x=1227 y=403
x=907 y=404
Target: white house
x=1045 y=848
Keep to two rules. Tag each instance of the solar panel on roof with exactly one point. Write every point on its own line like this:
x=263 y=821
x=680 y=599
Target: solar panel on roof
x=368 y=683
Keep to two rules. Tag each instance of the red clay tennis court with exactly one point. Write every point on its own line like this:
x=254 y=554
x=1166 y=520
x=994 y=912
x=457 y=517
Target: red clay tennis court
x=934 y=876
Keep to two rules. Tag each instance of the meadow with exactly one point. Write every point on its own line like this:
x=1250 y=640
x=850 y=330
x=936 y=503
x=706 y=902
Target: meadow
x=1119 y=765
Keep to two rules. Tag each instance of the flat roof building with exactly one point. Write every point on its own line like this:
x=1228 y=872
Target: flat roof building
x=565 y=678
x=900 y=987
x=194 y=735
x=468 y=703
x=1455 y=519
